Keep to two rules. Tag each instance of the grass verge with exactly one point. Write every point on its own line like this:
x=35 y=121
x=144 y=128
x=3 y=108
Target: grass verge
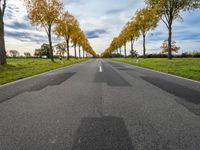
x=25 y=67
x=184 y=67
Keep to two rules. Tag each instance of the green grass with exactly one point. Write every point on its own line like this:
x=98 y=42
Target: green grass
x=184 y=67
x=21 y=67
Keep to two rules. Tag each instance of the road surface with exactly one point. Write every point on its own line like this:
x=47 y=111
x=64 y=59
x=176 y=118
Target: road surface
x=100 y=105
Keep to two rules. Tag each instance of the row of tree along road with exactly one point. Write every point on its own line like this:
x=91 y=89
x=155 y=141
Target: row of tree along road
x=147 y=19
x=43 y=52
x=51 y=16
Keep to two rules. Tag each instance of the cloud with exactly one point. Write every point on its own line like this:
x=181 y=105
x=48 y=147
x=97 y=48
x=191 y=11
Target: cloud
x=18 y=25
x=73 y=2
x=95 y=33
x=25 y=36
x=187 y=36
x=114 y=11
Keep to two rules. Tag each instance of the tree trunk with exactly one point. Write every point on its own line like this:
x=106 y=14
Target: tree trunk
x=132 y=47
x=79 y=51
x=170 y=41
x=125 y=49
x=120 y=50
x=67 y=41
x=144 y=45
x=2 y=43
x=83 y=54
x=75 y=50
x=48 y=53
x=50 y=44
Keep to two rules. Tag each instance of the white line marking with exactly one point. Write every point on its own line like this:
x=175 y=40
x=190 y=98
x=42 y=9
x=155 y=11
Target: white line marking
x=100 y=66
x=100 y=69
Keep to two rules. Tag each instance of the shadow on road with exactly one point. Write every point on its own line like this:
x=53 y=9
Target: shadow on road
x=52 y=80
x=105 y=133
x=34 y=84
x=186 y=93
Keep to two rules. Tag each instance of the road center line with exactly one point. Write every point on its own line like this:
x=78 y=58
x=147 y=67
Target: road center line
x=100 y=69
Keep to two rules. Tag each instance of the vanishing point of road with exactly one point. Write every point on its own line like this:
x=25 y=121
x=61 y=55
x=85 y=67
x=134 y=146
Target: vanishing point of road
x=100 y=105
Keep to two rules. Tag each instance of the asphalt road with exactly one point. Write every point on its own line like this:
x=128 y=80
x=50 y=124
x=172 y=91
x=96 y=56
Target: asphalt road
x=100 y=105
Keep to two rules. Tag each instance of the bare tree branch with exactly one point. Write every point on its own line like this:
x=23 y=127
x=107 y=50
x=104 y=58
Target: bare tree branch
x=4 y=7
x=164 y=22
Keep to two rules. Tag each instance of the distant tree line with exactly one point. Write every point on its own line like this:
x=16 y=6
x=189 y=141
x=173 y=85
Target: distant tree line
x=15 y=54
x=194 y=54
x=147 y=19
x=60 y=50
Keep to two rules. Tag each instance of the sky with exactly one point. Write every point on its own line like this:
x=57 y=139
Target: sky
x=101 y=21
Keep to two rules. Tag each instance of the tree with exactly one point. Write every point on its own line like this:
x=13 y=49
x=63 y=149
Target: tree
x=134 y=53
x=146 y=19
x=27 y=54
x=128 y=33
x=124 y=34
x=43 y=51
x=165 y=47
x=68 y=27
x=133 y=33
x=38 y=53
x=46 y=50
x=44 y=13
x=2 y=40
x=114 y=44
x=118 y=42
x=61 y=49
x=75 y=37
x=14 y=53
x=65 y=27
x=169 y=11
x=79 y=42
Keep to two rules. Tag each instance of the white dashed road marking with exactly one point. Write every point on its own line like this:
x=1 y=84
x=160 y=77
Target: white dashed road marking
x=100 y=69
